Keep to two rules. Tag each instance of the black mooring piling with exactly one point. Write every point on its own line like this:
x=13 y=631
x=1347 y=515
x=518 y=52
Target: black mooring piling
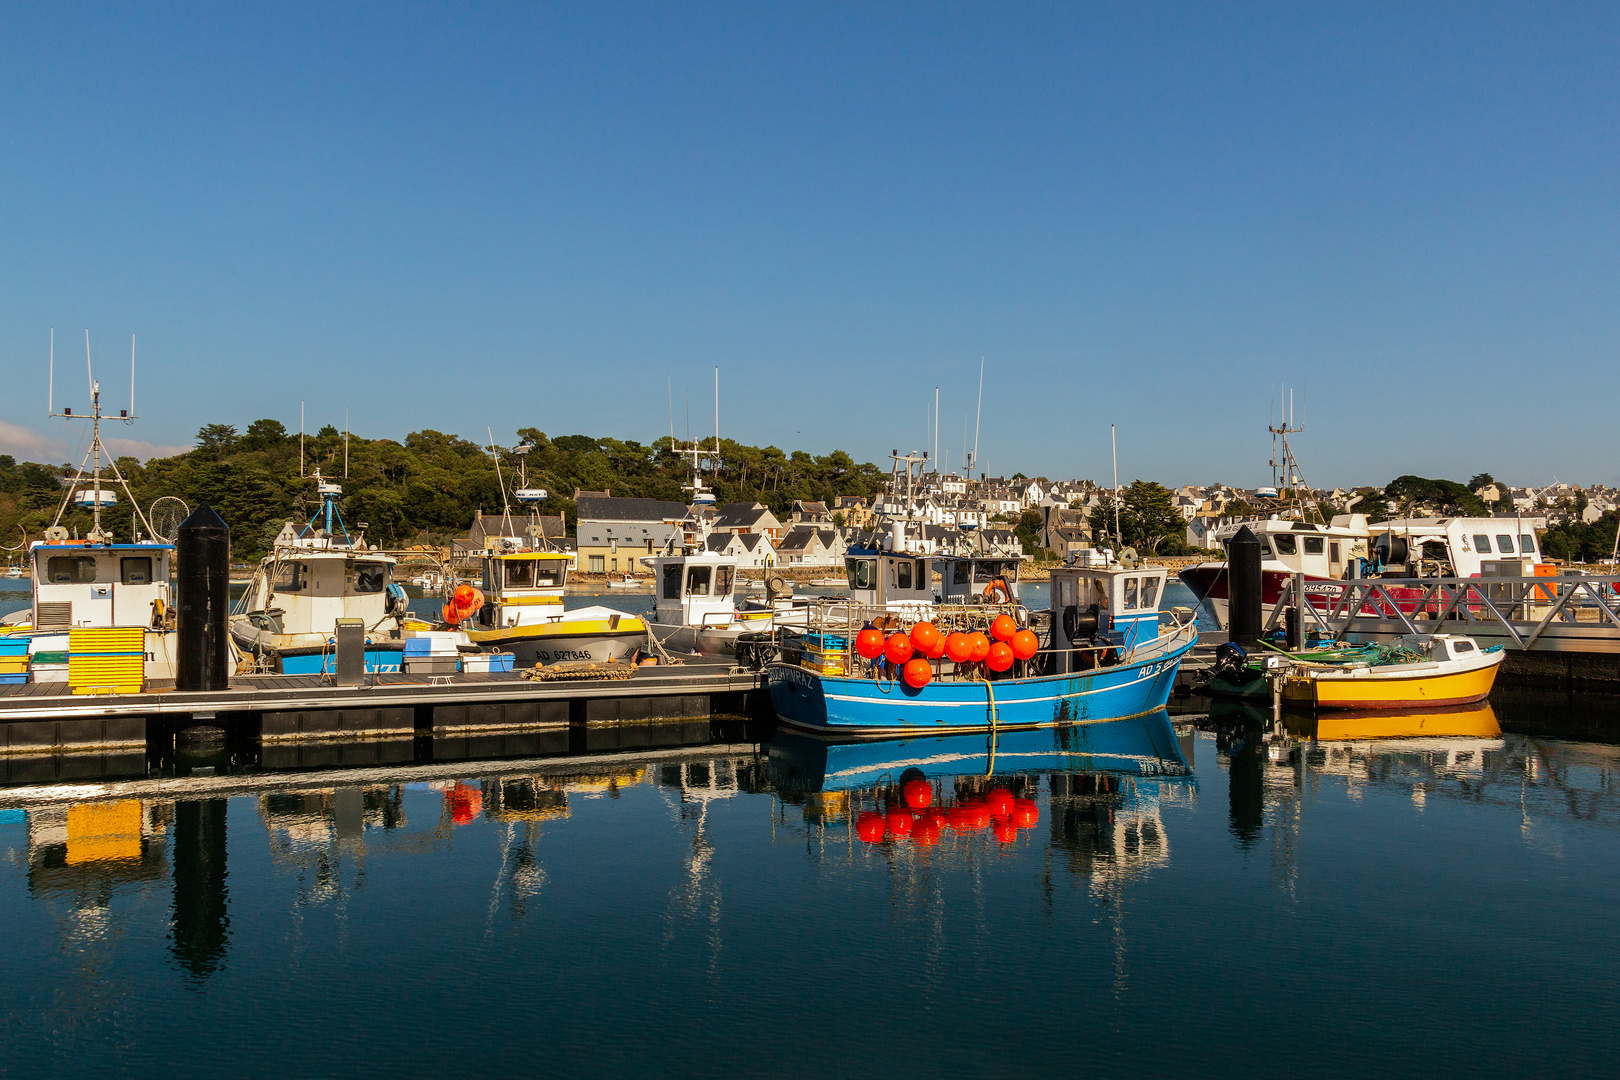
x=1243 y=605
x=202 y=607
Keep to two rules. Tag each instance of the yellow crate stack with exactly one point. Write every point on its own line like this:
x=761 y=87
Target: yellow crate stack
x=107 y=661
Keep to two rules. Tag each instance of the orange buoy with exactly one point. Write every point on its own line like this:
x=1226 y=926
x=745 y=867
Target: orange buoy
x=958 y=647
x=1000 y=657
x=1025 y=644
x=898 y=821
x=924 y=637
x=938 y=649
x=869 y=827
x=898 y=649
x=978 y=646
x=451 y=615
x=1002 y=627
x=464 y=595
x=917 y=794
x=917 y=673
x=869 y=643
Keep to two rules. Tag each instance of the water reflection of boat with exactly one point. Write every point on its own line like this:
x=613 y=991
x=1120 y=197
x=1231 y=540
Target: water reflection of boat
x=1476 y=721
x=1141 y=746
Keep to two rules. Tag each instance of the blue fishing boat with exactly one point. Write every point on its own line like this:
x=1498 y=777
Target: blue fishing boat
x=1101 y=651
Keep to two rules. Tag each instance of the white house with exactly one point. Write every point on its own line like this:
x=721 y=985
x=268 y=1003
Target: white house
x=753 y=551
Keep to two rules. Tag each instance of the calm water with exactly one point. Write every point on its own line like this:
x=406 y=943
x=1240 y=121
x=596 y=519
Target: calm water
x=1186 y=903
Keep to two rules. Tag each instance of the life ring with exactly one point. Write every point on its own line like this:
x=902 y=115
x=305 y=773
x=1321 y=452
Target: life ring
x=990 y=591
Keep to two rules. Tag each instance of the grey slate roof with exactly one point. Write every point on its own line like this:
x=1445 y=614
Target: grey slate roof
x=596 y=508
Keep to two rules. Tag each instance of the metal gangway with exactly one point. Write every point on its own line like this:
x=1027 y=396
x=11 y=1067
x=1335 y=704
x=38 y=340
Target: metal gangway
x=1541 y=614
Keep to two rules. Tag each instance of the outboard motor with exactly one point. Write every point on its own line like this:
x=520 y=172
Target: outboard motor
x=1230 y=660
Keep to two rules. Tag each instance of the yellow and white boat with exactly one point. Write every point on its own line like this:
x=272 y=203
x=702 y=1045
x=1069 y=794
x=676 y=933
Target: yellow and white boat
x=1456 y=671
x=524 y=614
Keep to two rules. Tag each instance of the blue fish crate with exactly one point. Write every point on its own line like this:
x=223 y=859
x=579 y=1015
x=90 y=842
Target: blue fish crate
x=14 y=680
x=14 y=646
x=827 y=642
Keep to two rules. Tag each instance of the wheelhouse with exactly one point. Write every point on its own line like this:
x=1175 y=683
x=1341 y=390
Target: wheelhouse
x=880 y=578
x=99 y=585
x=965 y=578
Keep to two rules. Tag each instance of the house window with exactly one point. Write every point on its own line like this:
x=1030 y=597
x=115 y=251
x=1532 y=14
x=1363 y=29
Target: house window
x=1504 y=544
x=136 y=571
x=1482 y=543
x=598 y=564
x=1313 y=545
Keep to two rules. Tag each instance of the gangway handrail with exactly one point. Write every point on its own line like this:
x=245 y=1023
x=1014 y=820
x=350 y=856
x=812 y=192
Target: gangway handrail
x=1525 y=608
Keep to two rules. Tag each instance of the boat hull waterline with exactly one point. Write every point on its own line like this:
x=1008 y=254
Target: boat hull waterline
x=814 y=702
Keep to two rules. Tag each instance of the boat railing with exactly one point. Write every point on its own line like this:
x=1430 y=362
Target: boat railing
x=826 y=642
x=1542 y=613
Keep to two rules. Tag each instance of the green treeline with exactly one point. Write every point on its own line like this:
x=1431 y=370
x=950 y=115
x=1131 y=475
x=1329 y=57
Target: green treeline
x=425 y=489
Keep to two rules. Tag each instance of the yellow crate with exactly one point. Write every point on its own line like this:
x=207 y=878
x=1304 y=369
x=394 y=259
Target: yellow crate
x=119 y=639
x=830 y=667
x=13 y=665
x=106 y=674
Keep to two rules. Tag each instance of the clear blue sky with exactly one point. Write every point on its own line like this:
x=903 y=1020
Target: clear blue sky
x=463 y=216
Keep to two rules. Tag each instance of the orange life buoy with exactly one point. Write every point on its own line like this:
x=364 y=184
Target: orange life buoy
x=995 y=584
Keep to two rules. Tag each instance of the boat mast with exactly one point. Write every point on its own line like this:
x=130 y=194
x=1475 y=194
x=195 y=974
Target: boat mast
x=97 y=449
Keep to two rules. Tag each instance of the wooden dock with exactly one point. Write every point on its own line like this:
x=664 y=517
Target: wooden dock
x=44 y=718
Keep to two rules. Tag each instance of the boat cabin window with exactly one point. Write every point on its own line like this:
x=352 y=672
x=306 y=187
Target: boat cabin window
x=1462 y=646
x=286 y=578
x=672 y=581
x=961 y=573
x=70 y=569
x=697 y=581
x=1313 y=545
x=1333 y=552
x=519 y=573
x=1150 y=592
x=1482 y=544
x=1283 y=543
x=860 y=573
x=370 y=577
x=1130 y=593
x=1504 y=544
x=1527 y=543
x=902 y=574
x=986 y=571
x=136 y=570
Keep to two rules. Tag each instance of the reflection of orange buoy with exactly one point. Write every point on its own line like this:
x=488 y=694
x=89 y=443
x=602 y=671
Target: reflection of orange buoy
x=978 y=646
x=1025 y=644
x=1006 y=832
x=1002 y=628
x=899 y=822
x=1000 y=801
x=898 y=649
x=918 y=673
x=918 y=794
x=1025 y=813
x=958 y=647
x=869 y=827
x=869 y=643
x=466 y=802
x=926 y=833
x=1000 y=657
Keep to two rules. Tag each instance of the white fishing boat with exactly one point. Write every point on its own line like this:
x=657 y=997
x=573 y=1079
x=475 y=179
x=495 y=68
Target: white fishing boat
x=287 y=618
x=95 y=583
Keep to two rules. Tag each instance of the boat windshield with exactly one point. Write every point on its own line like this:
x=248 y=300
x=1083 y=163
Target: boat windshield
x=987 y=570
x=860 y=573
x=370 y=577
x=70 y=569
